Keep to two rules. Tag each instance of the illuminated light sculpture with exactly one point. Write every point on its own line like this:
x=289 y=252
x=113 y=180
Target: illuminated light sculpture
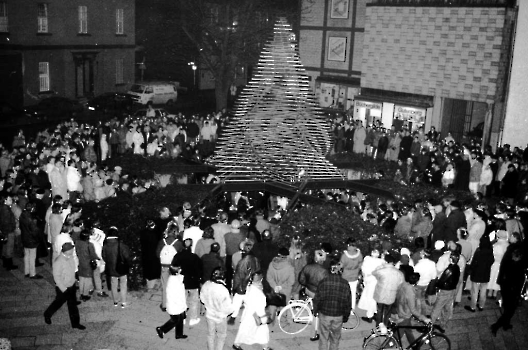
x=278 y=132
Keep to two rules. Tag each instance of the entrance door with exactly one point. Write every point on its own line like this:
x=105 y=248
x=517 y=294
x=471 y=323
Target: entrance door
x=84 y=73
x=455 y=112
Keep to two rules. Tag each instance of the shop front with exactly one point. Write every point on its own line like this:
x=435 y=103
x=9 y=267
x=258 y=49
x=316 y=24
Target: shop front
x=410 y=118
x=336 y=94
x=370 y=113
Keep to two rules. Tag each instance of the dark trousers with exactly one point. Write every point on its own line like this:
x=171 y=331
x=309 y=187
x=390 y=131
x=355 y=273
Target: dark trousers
x=383 y=313
x=510 y=301
x=69 y=296
x=176 y=321
x=407 y=331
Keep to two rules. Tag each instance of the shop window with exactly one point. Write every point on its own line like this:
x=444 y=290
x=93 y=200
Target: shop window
x=83 y=20
x=4 y=27
x=42 y=18
x=44 y=78
x=120 y=21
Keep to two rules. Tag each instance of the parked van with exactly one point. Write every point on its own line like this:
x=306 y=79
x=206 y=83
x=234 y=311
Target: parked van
x=154 y=93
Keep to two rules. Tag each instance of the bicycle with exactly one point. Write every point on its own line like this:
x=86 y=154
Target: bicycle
x=392 y=339
x=297 y=315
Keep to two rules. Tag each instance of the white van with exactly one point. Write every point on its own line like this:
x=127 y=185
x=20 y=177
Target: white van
x=154 y=93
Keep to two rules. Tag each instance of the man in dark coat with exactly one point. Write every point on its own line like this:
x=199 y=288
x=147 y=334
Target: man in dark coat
x=383 y=145
x=7 y=228
x=192 y=271
x=266 y=250
x=463 y=168
x=211 y=261
x=405 y=146
x=509 y=183
x=455 y=220
x=149 y=239
x=31 y=235
x=439 y=223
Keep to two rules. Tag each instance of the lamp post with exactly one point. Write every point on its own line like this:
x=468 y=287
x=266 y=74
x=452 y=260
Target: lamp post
x=194 y=67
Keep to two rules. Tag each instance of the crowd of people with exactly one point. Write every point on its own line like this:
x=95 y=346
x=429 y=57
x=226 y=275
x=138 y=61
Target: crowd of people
x=218 y=263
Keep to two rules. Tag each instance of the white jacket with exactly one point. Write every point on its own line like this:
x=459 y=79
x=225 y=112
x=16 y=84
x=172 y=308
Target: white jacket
x=73 y=179
x=216 y=300
x=176 y=297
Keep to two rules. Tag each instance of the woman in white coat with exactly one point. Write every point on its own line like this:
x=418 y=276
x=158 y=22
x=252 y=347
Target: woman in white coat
x=366 y=301
x=499 y=248
x=254 y=322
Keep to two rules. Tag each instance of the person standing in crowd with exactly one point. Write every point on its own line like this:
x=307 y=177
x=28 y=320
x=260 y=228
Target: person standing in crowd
x=176 y=304
x=64 y=275
x=446 y=285
x=8 y=225
x=115 y=251
x=310 y=277
x=203 y=246
x=510 y=279
x=211 y=261
x=389 y=279
x=168 y=247
x=480 y=274
x=232 y=241
x=351 y=260
x=280 y=277
x=366 y=301
x=254 y=321
x=192 y=270
x=455 y=220
x=217 y=302
x=332 y=305
x=245 y=267
x=86 y=253
x=149 y=238
x=31 y=238
x=266 y=250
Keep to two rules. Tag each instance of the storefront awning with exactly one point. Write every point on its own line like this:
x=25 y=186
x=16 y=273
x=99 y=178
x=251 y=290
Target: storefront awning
x=400 y=98
x=355 y=82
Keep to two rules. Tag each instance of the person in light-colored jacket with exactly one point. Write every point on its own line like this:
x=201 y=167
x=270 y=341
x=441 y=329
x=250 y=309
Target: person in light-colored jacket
x=389 y=279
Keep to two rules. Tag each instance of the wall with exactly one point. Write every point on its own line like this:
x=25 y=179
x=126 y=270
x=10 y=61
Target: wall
x=516 y=121
x=436 y=51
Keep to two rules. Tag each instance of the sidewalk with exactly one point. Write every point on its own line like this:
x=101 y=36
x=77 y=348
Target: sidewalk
x=23 y=301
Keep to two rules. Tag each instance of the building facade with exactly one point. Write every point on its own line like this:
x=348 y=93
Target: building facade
x=421 y=63
x=75 y=48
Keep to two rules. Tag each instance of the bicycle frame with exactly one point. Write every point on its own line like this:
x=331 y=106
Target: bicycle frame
x=393 y=331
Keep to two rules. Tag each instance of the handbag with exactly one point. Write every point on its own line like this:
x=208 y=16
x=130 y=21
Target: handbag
x=276 y=299
x=93 y=264
x=431 y=287
x=121 y=265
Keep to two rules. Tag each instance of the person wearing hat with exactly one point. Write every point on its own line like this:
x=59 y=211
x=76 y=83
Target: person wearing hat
x=149 y=238
x=64 y=275
x=280 y=277
x=217 y=301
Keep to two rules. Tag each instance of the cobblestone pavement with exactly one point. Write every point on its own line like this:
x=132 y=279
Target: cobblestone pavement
x=23 y=301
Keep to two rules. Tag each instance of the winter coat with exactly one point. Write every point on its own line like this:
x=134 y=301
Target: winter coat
x=30 y=231
x=7 y=220
x=191 y=266
x=203 y=246
x=311 y=275
x=149 y=239
x=216 y=300
x=481 y=265
x=455 y=220
x=351 y=265
x=265 y=251
x=389 y=279
x=85 y=252
x=281 y=273
x=176 y=297
x=58 y=182
x=474 y=173
x=73 y=179
x=359 y=140
x=210 y=261
x=110 y=254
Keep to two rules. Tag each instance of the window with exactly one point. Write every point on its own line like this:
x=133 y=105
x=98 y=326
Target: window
x=83 y=19
x=44 y=76
x=3 y=17
x=42 y=18
x=119 y=71
x=120 y=21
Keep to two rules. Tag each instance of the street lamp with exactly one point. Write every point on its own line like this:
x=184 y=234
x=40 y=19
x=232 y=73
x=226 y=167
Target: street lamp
x=194 y=67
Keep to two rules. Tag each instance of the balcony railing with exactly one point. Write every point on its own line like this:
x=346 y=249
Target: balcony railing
x=445 y=3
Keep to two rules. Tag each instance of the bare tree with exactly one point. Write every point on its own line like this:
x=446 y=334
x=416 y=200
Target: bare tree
x=229 y=34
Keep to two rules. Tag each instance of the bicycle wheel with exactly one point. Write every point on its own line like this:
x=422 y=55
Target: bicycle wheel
x=381 y=342
x=437 y=341
x=352 y=323
x=294 y=318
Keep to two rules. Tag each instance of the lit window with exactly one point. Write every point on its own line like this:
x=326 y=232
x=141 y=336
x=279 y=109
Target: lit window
x=3 y=17
x=120 y=21
x=42 y=18
x=44 y=76
x=83 y=19
x=119 y=71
